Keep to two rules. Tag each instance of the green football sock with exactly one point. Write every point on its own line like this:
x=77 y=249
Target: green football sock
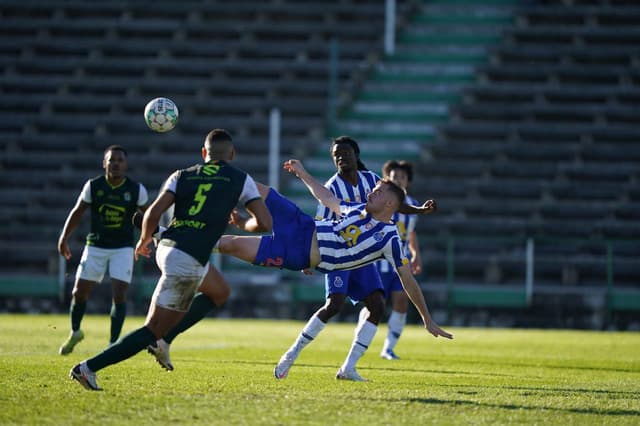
x=127 y=347
x=200 y=307
x=118 y=312
x=76 y=312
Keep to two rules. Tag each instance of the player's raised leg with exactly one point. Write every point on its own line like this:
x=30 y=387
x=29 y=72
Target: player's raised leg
x=242 y=247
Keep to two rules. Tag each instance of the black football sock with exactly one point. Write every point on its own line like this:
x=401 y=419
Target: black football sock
x=200 y=307
x=127 y=347
x=118 y=313
x=77 y=312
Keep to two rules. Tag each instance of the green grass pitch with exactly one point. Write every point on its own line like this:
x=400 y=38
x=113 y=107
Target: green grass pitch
x=224 y=376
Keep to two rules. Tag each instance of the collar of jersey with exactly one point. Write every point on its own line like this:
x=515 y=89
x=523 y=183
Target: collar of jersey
x=116 y=186
x=372 y=219
x=349 y=183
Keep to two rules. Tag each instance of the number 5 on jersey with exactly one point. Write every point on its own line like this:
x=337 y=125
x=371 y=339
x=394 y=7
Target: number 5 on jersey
x=200 y=198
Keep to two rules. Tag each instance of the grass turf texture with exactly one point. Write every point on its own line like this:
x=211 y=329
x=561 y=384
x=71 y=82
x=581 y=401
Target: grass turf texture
x=224 y=376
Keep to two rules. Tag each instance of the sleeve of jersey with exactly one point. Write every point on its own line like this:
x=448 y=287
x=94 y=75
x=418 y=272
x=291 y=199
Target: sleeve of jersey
x=171 y=183
x=85 y=194
x=249 y=191
x=394 y=253
x=412 y=219
x=412 y=222
x=143 y=196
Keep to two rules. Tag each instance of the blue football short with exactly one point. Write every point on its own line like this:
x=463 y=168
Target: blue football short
x=290 y=242
x=390 y=279
x=355 y=283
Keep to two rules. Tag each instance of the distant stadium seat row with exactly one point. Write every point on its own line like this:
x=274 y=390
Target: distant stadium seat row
x=520 y=116
x=544 y=144
x=75 y=76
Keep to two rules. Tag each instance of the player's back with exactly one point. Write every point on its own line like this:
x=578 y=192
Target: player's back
x=205 y=195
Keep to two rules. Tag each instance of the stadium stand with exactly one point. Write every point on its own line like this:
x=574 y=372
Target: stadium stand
x=543 y=145
x=397 y=112
x=520 y=118
x=75 y=76
x=408 y=94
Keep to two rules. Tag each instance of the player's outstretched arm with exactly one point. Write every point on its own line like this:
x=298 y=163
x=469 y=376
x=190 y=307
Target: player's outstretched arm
x=428 y=207
x=414 y=249
x=322 y=194
x=412 y=289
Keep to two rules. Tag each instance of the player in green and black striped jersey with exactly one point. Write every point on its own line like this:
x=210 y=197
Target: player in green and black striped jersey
x=112 y=199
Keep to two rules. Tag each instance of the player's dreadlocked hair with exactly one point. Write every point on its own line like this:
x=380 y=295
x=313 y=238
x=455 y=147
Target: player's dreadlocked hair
x=353 y=144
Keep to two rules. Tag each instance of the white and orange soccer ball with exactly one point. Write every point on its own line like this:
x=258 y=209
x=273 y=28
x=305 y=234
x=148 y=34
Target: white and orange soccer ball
x=161 y=114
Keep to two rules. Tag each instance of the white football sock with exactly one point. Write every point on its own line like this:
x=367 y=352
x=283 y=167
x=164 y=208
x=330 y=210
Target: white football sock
x=396 y=325
x=364 y=314
x=364 y=335
x=309 y=332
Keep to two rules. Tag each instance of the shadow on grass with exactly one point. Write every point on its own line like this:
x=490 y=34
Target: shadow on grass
x=545 y=391
x=567 y=366
x=605 y=412
x=500 y=363
x=471 y=390
x=409 y=370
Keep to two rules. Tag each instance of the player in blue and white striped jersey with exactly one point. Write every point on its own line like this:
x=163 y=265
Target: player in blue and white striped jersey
x=363 y=182
x=356 y=240
x=352 y=183
x=298 y=242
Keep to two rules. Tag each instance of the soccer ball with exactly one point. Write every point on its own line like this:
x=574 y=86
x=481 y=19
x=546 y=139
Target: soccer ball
x=161 y=114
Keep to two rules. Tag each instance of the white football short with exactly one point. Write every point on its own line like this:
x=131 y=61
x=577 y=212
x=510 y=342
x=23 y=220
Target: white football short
x=181 y=277
x=95 y=260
